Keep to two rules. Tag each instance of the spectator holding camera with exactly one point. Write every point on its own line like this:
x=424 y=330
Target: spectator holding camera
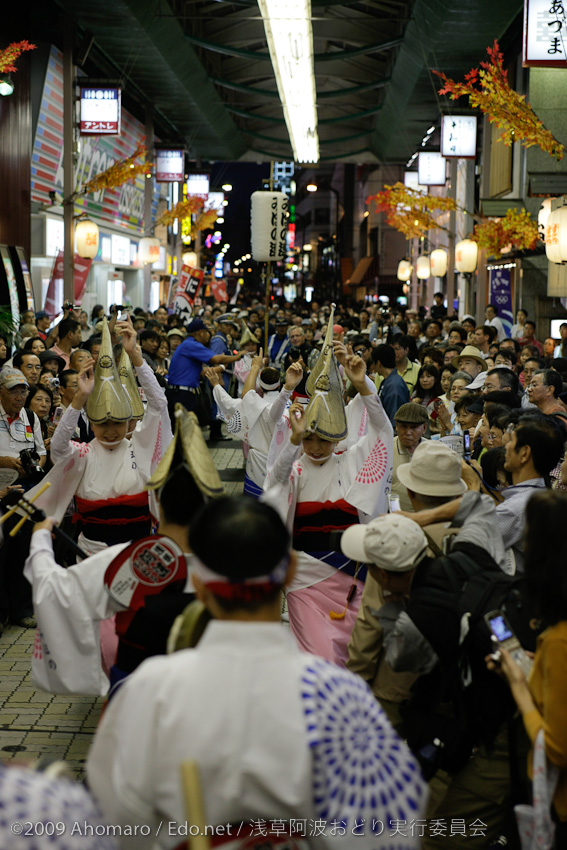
x=20 y=436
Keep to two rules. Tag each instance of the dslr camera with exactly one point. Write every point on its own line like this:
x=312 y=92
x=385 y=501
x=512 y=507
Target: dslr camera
x=30 y=462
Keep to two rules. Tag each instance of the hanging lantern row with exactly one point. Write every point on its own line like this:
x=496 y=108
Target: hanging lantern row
x=426 y=266
x=87 y=240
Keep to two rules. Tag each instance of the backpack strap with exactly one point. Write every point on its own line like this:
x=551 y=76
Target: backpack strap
x=31 y=419
x=433 y=545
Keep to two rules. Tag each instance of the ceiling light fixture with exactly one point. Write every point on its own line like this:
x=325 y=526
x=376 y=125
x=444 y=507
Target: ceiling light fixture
x=290 y=41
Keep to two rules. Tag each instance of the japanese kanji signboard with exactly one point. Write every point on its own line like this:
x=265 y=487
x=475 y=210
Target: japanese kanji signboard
x=545 y=33
x=100 y=111
x=458 y=136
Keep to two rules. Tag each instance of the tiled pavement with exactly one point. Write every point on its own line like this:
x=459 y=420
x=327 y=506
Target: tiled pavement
x=37 y=725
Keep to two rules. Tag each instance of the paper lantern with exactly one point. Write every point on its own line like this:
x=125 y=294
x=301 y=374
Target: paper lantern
x=556 y=236
x=556 y=280
x=542 y=217
x=405 y=269
x=269 y=223
x=86 y=238
x=438 y=262
x=423 y=269
x=148 y=250
x=466 y=256
x=190 y=259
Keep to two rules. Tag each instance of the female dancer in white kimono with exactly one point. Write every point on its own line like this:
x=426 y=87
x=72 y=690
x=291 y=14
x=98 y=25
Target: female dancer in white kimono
x=107 y=476
x=320 y=493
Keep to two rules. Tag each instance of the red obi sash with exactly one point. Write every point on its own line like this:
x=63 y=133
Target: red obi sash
x=114 y=520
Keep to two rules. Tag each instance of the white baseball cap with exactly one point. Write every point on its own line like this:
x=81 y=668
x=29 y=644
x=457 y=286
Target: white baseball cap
x=391 y=541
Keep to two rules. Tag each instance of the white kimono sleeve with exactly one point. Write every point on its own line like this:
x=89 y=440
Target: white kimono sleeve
x=64 y=433
x=370 y=462
x=68 y=604
x=153 y=435
x=281 y=486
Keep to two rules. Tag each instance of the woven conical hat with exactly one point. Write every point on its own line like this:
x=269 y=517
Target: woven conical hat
x=188 y=447
x=247 y=337
x=128 y=381
x=108 y=400
x=325 y=413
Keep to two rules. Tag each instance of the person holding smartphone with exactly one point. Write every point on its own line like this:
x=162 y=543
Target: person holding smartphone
x=541 y=698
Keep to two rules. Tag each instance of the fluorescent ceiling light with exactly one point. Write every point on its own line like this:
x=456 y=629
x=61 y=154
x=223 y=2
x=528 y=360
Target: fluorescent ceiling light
x=290 y=41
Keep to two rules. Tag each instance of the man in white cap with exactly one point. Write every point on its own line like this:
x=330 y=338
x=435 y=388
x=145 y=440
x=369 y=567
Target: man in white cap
x=411 y=636
x=431 y=477
x=19 y=432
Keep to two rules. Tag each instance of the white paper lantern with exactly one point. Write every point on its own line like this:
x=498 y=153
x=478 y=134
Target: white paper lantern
x=466 y=256
x=190 y=259
x=542 y=217
x=405 y=269
x=269 y=223
x=423 y=269
x=148 y=250
x=86 y=238
x=556 y=236
x=438 y=262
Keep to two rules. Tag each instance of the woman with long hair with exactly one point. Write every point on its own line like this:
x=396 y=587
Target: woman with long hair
x=428 y=392
x=34 y=344
x=541 y=698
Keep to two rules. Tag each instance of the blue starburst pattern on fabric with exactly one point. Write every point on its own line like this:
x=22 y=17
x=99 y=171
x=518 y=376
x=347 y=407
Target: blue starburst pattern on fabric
x=234 y=424
x=362 y=770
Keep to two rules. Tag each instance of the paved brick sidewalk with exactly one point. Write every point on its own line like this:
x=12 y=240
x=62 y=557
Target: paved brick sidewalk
x=35 y=724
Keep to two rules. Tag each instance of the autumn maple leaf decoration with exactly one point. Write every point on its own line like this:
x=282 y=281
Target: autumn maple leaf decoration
x=488 y=89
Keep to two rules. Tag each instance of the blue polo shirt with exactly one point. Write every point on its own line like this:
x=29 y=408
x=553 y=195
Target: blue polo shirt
x=187 y=363
x=393 y=393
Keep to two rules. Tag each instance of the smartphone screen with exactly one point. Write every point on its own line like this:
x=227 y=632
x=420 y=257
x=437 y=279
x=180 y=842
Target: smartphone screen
x=467 y=445
x=500 y=628
x=394 y=502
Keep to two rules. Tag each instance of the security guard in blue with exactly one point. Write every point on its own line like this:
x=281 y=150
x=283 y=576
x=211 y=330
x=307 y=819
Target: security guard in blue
x=186 y=366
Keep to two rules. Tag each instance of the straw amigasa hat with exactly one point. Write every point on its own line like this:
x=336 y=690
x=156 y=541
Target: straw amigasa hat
x=128 y=381
x=325 y=413
x=188 y=448
x=247 y=337
x=108 y=399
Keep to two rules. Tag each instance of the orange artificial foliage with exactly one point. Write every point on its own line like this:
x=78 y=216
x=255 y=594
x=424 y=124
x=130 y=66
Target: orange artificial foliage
x=9 y=55
x=182 y=210
x=410 y=211
x=517 y=230
x=488 y=89
x=205 y=220
x=121 y=172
